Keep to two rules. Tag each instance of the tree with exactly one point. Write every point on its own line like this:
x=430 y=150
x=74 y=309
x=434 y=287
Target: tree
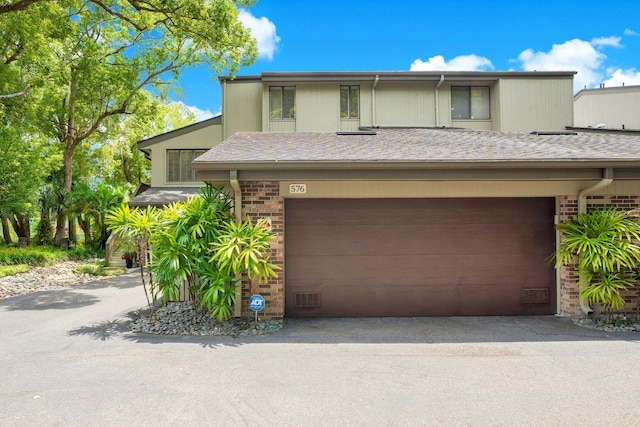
x=107 y=53
x=605 y=244
x=118 y=156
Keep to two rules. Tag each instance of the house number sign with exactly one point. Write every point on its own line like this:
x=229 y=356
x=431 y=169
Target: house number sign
x=297 y=188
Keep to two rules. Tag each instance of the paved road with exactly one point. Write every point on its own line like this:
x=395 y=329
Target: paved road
x=67 y=359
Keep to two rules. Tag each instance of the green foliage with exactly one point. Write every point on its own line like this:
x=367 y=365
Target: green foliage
x=182 y=243
x=31 y=255
x=241 y=248
x=98 y=269
x=45 y=255
x=198 y=248
x=604 y=243
x=12 y=270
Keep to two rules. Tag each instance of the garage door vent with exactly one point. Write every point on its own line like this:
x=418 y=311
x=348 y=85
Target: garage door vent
x=307 y=300
x=535 y=296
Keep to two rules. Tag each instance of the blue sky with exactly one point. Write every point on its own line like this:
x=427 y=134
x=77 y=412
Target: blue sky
x=600 y=40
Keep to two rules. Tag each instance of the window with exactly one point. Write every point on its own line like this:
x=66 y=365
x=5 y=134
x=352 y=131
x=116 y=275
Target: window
x=179 y=165
x=470 y=103
x=282 y=102
x=349 y=102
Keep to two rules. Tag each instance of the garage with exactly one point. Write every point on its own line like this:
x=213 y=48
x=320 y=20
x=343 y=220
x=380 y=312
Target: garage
x=419 y=257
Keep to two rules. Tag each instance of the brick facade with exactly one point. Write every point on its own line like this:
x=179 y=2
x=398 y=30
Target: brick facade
x=569 y=289
x=261 y=199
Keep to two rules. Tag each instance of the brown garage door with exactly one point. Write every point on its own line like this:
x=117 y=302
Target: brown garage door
x=419 y=257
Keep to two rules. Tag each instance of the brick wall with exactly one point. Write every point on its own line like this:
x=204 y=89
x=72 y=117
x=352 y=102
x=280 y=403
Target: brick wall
x=261 y=199
x=569 y=290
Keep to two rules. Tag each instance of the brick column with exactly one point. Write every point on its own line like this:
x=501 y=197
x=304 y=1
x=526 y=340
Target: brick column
x=569 y=288
x=261 y=199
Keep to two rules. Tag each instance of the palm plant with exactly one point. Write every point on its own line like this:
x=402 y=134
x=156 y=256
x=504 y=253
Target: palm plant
x=604 y=245
x=137 y=225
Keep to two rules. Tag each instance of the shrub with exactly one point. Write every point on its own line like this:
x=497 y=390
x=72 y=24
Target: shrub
x=31 y=255
x=12 y=270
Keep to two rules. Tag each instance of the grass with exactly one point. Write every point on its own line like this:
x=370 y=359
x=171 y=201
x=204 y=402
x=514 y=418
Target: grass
x=44 y=255
x=98 y=269
x=12 y=270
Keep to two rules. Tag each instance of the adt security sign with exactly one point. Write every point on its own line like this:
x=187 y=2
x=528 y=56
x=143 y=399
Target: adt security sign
x=256 y=302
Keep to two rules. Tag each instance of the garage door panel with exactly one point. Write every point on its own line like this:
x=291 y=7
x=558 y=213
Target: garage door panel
x=361 y=239
x=413 y=257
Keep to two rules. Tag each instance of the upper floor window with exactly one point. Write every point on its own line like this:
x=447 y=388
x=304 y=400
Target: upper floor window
x=179 y=165
x=349 y=102
x=282 y=102
x=470 y=103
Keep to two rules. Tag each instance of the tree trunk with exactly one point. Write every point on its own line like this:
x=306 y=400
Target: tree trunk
x=22 y=227
x=73 y=237
x=85 y=224
x=69 y=143
x=6 y=231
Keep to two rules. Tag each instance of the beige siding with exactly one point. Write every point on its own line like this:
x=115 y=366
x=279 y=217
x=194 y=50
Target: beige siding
x=528 y=105
x=318 y=107
x=242 y=107
x=614 y=107
x=404 y=104
x=444 y=106
x=496 y=111
x=282 y=126
x=199 y=139
x=391 y=189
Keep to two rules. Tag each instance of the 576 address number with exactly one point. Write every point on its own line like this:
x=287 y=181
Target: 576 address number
x=297 y=188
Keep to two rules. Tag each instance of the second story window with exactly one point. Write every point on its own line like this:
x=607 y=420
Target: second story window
x=282 y=102
x=179 y=165
x=349 y=102
x=470 y=103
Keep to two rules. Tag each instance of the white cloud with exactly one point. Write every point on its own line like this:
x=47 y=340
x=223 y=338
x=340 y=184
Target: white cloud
x=573 y=55
x=613 y=41
x=198 y=112
x=459 y=63
x=630 y=32
x=264 y=31
x=619 y=77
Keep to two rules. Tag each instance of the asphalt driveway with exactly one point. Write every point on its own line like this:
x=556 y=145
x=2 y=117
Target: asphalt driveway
x=68 y=359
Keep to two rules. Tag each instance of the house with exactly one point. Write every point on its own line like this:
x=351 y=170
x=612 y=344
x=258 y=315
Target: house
x=410 y=193
x=614 y=108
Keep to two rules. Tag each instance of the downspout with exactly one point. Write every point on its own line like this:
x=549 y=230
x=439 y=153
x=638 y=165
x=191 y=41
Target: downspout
x=237 y=210
x=373 y=101
x=437 y=121
x=606 y=180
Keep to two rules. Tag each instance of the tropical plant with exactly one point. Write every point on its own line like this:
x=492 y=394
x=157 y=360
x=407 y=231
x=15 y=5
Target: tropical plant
x=241 y=248
x=134 y=225
x=604 y=245
x=182 y=244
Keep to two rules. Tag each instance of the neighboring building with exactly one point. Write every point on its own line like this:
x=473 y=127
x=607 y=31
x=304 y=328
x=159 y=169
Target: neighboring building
x=406 y=193
x=614 y=108
x=171 y=154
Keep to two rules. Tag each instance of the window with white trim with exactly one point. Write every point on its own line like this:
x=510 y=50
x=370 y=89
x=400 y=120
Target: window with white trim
x=179 y=165
x=470 y=103
x=282 y=102
x=349 y=102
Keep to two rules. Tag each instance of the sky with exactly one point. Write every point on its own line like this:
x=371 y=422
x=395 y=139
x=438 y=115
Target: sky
x=600 y=40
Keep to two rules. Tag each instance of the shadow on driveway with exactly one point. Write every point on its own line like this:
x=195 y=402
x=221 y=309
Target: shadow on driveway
x=414 y=330
x=59 y=299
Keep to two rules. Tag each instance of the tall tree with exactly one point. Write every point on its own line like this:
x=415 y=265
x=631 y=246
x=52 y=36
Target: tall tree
x=106 y=53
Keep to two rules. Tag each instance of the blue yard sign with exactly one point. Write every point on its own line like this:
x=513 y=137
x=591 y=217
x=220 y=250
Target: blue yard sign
x=256 y=302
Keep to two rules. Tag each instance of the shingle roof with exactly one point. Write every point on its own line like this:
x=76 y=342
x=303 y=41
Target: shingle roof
x=158 y=196
x=420 y=145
